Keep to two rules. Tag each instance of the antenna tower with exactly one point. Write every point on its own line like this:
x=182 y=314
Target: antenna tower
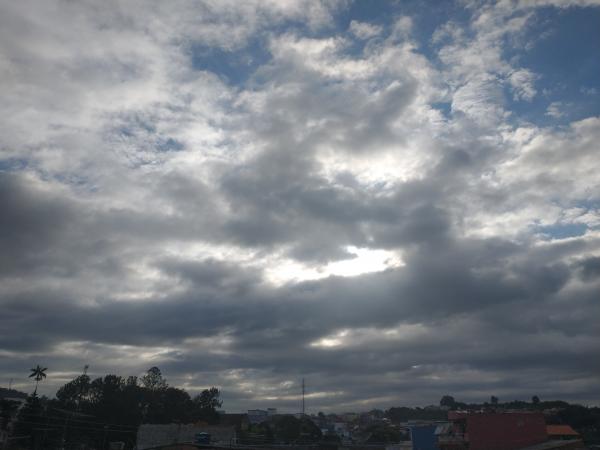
x=303 y=390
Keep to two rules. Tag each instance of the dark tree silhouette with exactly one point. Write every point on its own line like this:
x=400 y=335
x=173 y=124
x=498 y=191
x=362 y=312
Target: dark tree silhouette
x=448 y=400
x=154 y=380
x=38 y=374
x=82 y=405
x=74 y=394
x=28 y=419
x=8 y=408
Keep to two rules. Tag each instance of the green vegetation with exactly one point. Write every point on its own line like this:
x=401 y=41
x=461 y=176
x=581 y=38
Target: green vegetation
x=38 y=374
x=284 y=429
x=109 y=408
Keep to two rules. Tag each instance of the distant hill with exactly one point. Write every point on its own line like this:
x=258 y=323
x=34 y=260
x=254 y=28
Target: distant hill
x=11 y=393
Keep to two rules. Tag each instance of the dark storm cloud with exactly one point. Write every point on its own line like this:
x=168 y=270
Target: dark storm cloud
x=493 y=283
x=278 y=198
x=31 y=223
x=590 y=268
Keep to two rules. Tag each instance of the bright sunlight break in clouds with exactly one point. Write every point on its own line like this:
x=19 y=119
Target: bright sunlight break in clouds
x=395 y=200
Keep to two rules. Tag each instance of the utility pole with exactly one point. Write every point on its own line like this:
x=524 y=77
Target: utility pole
x=85 y=369
x=303 y=390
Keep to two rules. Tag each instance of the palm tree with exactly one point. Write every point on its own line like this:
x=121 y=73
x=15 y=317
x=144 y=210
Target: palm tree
x=38 y=374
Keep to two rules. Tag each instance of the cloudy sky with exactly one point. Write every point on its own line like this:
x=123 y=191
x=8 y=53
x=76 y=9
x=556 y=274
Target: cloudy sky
x=394 y=200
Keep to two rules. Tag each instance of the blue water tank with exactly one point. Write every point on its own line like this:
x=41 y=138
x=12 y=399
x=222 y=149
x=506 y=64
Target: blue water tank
x=202 y=438
x=423 y=437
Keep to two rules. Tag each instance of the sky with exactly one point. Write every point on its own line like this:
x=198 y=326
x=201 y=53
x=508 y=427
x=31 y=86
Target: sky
x=393 y=200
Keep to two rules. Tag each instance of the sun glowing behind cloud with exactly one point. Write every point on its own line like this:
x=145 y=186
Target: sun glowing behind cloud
x=365 y=260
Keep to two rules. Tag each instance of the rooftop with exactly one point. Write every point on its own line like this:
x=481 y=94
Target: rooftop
x=560 y=430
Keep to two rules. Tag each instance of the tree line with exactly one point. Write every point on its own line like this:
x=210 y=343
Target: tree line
x=96 y=411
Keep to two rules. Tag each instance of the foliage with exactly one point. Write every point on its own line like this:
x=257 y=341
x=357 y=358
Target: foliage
x=448 y=400
x=206 y=403
x=383 y=434
x=403 y=414
x=38 y=374
x=289 y=429
x=29 y=419
x=7 y=410
x=258 y=433
x=110 y=408
x=72 y=394
x=153 y=380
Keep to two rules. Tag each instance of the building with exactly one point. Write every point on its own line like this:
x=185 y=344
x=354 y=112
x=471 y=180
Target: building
x=561 y=432
x=239 y=421
x=492 y=430
x=256 y=416
x=423 y=436
x=151 y=435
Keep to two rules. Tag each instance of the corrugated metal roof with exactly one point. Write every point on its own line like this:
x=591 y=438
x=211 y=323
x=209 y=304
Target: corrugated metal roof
x=443 y=429
x=560 y=430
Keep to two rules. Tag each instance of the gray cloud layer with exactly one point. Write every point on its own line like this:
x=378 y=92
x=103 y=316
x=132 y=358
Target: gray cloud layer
x=323 y=219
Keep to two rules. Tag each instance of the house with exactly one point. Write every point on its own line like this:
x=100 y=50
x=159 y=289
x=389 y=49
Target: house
x=561 y=432
x=256 y=416
x=239 y=421
x=423 y=436
x=492 y=430
x=154 y=435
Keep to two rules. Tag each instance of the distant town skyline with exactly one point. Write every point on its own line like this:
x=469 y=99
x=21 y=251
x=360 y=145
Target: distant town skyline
x=393 y=200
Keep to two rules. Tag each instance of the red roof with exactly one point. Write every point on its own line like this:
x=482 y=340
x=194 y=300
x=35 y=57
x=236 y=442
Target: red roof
x=560 y=430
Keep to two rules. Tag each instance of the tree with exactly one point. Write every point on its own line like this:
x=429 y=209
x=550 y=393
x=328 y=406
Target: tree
x=535 y=400
x=154 y=380
x=177 y=406
x=7 y=409
x=287 y=429
x=38 y=374
x=382 y=433
x=309 y=430
x=209 y=399
x=75 y=394
x=206 y=404
x=28 y=419
x=448 y=400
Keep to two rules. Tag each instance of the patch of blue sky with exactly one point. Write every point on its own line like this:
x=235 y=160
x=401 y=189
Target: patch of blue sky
x=444 y=107
x=426 y=18
x=169 y=145
x=563 y=51
x=234 y=67
x=591 y=203
x=13 y=164
x=561 y=230
x=134 y=123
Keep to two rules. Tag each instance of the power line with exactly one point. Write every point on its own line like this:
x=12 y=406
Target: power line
x=71 y=419
x=59 y=426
